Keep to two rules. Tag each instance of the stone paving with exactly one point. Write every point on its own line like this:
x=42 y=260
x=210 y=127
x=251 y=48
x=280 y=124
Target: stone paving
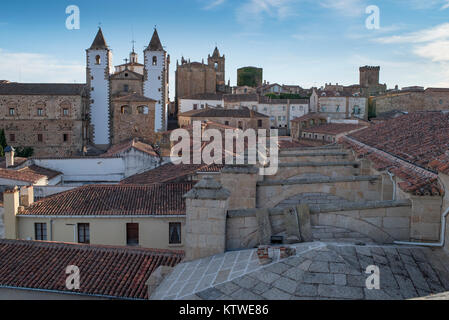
x=317 y=271
x=334 y=234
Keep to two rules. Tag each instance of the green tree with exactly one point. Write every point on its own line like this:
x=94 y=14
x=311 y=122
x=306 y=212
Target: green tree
x=3 y=143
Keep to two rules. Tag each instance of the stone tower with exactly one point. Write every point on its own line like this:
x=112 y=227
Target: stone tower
x=369 y=76
x=99 y=67
x=156 y=70
x=218 y=63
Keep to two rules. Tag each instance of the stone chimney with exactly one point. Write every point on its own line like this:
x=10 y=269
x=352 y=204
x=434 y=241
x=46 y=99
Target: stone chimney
x=243 y=195
x=206 y=211
x=26 y=196
x=9 y=155
x=11 y=207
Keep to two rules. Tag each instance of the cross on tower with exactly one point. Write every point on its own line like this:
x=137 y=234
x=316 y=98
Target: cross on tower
x=133 y=42
x=126 y=60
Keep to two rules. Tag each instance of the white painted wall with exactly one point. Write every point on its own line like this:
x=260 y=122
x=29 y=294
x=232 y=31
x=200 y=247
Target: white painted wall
x=138 y=162
x=187 y=104
x=154 y=86
x=99 y=109
x=87 y=169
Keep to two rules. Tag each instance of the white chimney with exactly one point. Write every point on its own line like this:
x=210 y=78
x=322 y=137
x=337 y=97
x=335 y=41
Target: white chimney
x=9 y=156
x=26 y=196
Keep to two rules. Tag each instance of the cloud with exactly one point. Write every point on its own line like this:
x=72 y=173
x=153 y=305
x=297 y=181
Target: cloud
x=345 y=7
x=252 y=12
x=432 y=34
x=213 y=4
x=437 y=51
x=445 y=6
x=35 y=67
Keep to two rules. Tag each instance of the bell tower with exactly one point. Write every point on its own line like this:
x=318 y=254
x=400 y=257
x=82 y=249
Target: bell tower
x=218 y=63
x=99 y=67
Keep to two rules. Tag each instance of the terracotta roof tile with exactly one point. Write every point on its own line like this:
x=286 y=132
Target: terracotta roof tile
x=127 y=145
x=114 y=200
x=334 y=128
x=116 y=272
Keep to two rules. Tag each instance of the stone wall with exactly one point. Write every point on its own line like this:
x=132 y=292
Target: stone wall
x=357 y=188
x=40 y=122
x=382 y=221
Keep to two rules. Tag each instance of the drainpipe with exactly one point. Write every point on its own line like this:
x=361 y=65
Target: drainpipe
x=442 y=235
x=394 y=184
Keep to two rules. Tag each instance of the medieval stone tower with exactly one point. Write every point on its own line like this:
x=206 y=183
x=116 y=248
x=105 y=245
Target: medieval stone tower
x=99 y=67
x=369 y=76
x=218 y=63
x=156 y=71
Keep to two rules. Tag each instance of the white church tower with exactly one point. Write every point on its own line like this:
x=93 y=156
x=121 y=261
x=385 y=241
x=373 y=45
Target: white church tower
x=99 y=67
x=155 y=84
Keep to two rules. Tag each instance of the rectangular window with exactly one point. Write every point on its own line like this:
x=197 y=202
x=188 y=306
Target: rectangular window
x=40 y=231
x=259 y=123
x=83 y=233
x=65 y=137
x=12 y=137
x=132 y=234
x=12 y=111
x=175 y=233
x=40 y=112
x=227 y=123
x=65 y=112
x=126 y=88
x=195 y=107
x=40 y=138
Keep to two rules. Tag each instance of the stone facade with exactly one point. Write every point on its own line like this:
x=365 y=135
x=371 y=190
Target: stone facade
x=133 y=117
x=50 y=124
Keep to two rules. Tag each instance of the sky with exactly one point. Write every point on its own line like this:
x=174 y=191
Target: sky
x=301 y=42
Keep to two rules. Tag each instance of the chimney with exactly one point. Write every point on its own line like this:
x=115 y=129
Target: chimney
x=9 y=155
x=11 y=207
x=26 y=196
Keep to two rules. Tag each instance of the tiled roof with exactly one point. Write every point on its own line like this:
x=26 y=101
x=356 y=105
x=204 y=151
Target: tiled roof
x=114 y=200
x=310 y=116
x=415 y=180
x=17 y=162
x=25 y=175
x=50 y=174
x=114 y=272
x=334 y=128
x=44 y=89
x=240 y=97
x=127 y=145
x=99 y=41
x=418 y=137
x=223 y=113
x=285 y=144
x=441 y=164
x=170 y=173
x=155 y=43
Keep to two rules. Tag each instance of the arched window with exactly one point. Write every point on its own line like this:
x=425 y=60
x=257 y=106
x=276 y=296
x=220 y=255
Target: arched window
x=154 y=61
x=216 y=66
x=98 y=59
x=125 y=110
x=143 y=109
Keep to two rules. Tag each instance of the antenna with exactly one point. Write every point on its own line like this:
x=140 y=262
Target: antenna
x=132 y=32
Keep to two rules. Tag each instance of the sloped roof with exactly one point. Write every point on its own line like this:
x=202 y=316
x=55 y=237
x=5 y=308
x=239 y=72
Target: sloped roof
x=223 y=113
x=47 y=89
x=31 y=174
x=134 y=97
x=155 y=43
x=114 y=200
x=334 y=128
x=42 y=266
x=244 y=97
x=99 y=41
x=117 y=149
x=441 y=164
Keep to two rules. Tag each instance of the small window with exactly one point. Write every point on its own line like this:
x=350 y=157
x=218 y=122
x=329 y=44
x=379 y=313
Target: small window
x=40 y=112
x=259 y=123
x=98 y=59
x=132 y=234
x=12 y=137
x=93 y=89
x=40 y=137
x=195 y=107
x=226 y=123
x=125 y=110
x=175 y=233
x=12 y=111
x=216 y=66
x=154 y=61
x=126 y=88
x=143 y=110
x=240 y=125
x=65 y=137
x=202 y=106
x=40 y=231
x=83 y=233
x=65 y=112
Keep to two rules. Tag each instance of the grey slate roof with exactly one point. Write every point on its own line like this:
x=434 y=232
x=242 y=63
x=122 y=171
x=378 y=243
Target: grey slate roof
x=155 y=43
x=99 y=41
x=47 y=89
